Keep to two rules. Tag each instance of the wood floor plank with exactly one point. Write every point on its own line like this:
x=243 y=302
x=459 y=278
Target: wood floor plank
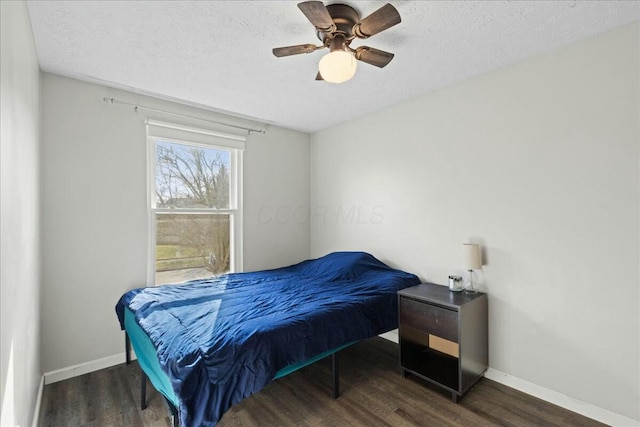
x=373 y=393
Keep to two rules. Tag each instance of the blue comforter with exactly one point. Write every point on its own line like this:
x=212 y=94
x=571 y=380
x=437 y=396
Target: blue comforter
x=222 y=339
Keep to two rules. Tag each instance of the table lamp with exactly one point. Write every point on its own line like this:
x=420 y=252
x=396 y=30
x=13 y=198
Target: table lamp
x=472 y=261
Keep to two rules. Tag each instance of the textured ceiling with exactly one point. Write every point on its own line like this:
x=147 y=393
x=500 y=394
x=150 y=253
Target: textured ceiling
x=218 y=53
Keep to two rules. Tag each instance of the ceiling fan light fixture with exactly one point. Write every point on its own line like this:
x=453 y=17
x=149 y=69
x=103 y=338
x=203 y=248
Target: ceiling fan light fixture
x=337 y=25
x=338 y=66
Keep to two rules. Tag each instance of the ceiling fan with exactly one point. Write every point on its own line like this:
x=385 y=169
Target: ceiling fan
x=337 y=25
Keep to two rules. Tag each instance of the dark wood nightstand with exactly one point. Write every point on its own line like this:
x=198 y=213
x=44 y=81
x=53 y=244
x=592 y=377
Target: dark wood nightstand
x=443 y=336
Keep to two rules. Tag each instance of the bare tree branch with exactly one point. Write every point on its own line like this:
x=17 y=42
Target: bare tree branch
x=194 y=177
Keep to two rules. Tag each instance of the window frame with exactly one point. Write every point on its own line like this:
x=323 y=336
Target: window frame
x=179 y=134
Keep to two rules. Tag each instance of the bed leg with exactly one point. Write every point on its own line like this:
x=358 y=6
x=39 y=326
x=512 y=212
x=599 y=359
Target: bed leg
x=175 y=419
x=336 y=376
x=143 y=390
x=127 y=348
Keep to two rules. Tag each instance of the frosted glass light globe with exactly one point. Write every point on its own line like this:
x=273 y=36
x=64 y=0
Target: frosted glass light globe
x=337 y=66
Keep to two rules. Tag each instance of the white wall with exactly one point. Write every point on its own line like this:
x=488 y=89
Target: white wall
x=95 y=214
x=539 y=162
x=19 y=216
x=276 y=199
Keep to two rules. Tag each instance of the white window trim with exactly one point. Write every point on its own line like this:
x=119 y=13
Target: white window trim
x=174 y=133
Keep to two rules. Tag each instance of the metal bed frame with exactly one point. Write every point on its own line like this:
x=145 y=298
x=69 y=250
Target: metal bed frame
x=172 y=407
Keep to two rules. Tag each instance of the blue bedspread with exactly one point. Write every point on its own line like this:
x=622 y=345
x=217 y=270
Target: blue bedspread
x=222 y=339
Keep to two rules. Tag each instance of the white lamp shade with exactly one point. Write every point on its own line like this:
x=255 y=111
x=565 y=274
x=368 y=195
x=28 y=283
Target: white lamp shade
x=472 y=256
x=337 y=66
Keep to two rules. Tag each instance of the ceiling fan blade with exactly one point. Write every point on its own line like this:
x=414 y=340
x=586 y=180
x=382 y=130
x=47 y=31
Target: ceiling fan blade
x=317 y=13
x=293 y=50
x=385 y=17
x=372 y=56
x=319 y=76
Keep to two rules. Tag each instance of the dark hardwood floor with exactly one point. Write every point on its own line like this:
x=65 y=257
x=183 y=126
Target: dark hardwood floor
x=373 y=393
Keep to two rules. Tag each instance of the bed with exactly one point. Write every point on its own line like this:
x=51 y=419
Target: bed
x=208 y=344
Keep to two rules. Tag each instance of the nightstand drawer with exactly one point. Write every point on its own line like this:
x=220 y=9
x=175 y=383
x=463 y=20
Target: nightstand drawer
x=429 y=318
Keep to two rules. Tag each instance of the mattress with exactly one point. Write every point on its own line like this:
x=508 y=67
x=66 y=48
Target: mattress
x=222 y=339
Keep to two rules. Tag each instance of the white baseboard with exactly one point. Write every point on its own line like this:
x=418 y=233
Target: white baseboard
x=85 y=368
x=391 y=336
x=548 y=395
x=36 y=411
x=562 y=400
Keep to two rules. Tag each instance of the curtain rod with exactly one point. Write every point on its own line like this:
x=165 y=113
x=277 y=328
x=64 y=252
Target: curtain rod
x=137 y=107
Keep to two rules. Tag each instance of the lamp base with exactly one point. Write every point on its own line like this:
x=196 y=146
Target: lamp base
x=470 y=286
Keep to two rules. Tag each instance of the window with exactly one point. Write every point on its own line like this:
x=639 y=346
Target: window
x=194 y=194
